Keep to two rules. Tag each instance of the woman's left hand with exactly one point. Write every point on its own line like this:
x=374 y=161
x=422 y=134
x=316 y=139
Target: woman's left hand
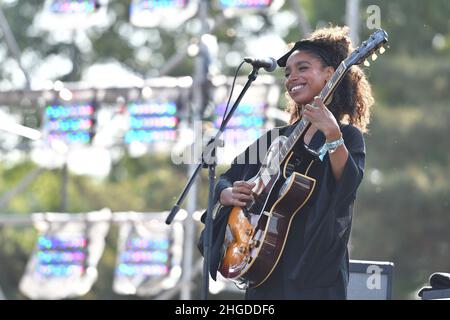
x=322 y=119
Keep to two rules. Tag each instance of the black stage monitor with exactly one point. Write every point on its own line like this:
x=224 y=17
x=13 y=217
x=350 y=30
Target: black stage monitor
x=370 y=280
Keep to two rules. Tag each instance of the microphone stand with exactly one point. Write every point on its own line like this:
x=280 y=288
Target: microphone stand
x=209 y=161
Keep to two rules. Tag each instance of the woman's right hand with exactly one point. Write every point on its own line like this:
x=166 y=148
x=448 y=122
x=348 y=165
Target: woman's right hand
x=238 y=195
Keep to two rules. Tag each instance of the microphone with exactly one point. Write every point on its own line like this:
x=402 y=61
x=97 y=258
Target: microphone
x=269 y=64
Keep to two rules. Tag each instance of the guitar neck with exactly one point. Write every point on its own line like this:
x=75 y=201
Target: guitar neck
x=303 y=124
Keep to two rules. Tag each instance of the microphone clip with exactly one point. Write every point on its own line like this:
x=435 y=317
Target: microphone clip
x=268 y=64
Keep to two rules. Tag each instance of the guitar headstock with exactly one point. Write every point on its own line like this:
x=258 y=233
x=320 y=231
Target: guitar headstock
x=367 y=48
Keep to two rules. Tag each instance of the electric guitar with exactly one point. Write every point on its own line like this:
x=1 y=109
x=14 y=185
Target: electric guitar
x=256 y=234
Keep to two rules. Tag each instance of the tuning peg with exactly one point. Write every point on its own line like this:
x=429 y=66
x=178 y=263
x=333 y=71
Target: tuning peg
x=374 y=56
x=366 y=63
x=382 y=50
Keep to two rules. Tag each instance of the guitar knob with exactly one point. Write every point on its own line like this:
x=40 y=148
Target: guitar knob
x=382 y=50
x=366 y=63
x=374 y=56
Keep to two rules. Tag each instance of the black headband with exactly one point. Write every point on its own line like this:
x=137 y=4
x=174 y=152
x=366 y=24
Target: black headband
x=308 y=45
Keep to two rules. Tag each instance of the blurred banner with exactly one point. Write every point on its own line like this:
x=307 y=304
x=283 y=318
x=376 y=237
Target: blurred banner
x=149 y=254
x=233 y=8
x=250 y=120
x=64 y=262
x=71 y=123
x=151 y=122
x=168 y=13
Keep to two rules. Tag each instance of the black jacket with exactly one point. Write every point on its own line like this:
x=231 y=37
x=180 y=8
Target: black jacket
x=322 y=261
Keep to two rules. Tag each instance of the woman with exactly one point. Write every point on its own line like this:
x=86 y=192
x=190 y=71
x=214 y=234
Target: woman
x=314 y=262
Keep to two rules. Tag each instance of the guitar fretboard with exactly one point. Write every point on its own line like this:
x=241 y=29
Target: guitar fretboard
x=325 y=94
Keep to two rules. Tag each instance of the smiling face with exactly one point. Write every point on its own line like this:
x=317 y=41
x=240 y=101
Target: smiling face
x=305 y=76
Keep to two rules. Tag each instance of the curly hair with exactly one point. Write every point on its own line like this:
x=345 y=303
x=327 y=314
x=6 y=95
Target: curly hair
x=352 y=99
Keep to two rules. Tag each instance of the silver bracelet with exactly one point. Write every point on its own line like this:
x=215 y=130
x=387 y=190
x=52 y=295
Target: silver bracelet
x=333 y=145
x=330 y=147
